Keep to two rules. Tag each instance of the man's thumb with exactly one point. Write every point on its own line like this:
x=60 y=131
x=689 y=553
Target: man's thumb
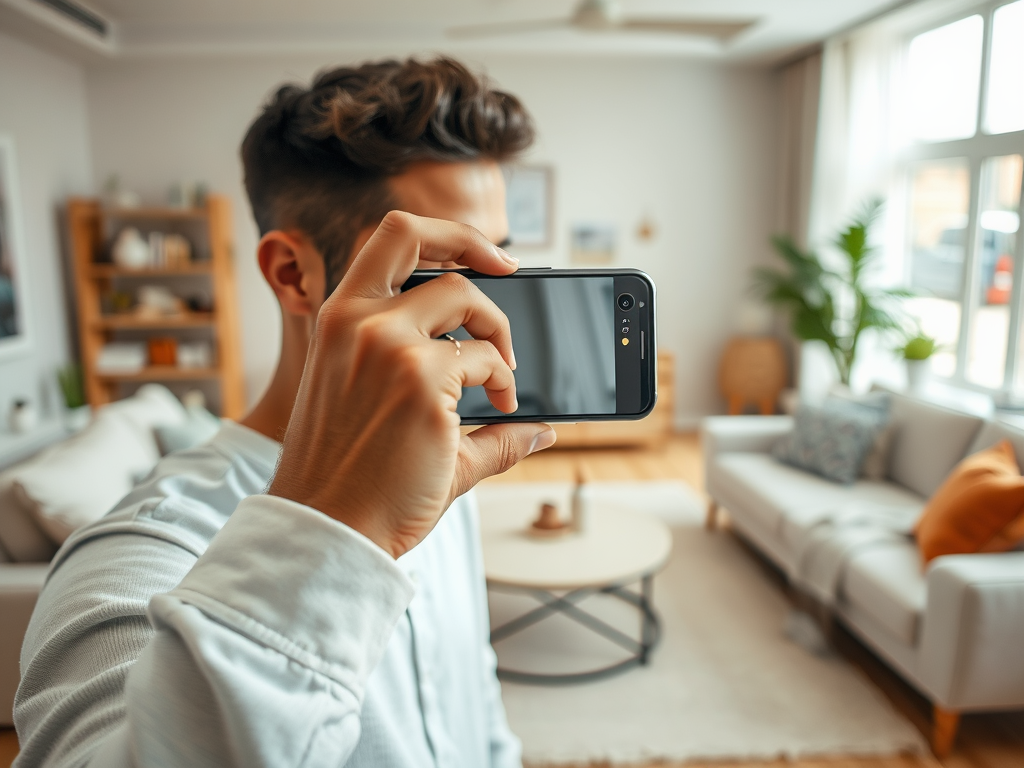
x=497 y=448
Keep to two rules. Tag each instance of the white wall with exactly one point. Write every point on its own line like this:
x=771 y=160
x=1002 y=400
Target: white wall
x=689 y=144
x=42 y=107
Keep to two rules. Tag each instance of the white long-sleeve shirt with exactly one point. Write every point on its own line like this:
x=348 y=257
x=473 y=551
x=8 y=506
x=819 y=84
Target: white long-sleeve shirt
x=200 y=623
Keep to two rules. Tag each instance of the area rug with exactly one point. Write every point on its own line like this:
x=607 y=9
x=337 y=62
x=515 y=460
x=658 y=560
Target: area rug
x=724 y=684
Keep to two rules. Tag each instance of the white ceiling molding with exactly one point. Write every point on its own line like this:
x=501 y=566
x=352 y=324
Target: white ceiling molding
x=142 y=29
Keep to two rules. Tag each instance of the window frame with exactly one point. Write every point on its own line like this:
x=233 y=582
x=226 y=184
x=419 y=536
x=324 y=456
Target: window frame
x=975 y=149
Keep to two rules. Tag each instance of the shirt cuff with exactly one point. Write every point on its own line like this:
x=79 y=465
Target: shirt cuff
x=300 y=581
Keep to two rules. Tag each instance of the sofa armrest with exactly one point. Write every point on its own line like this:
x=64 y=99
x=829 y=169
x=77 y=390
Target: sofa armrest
x=20 y=584
x=973 y=629
x=749 y=434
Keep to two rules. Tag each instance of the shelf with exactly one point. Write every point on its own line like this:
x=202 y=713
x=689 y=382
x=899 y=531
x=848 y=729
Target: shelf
x=132 y=322
x=162 y=373
x=106 y=271
x=154 y=213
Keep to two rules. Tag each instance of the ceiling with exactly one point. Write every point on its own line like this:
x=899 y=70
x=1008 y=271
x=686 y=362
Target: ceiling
x=143 y=28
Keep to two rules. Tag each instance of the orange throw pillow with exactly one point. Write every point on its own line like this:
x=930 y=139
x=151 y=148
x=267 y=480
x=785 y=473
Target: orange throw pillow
x=980 y=499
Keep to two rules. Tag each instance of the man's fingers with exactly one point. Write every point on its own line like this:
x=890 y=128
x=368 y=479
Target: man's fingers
x=477 y=363
x=403 y=240
x=450 y=301
x=497 y=448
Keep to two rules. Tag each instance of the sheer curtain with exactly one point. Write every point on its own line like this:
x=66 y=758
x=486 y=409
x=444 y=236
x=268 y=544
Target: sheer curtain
x=858 y=156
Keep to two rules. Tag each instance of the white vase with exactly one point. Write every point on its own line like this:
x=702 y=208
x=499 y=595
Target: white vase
x=131 y=251
x=77 y=419
x=919 y=375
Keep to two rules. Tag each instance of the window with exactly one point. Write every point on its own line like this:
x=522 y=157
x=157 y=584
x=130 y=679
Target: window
x=965 y=125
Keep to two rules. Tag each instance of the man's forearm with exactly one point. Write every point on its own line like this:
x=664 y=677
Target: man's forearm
x=260 y=655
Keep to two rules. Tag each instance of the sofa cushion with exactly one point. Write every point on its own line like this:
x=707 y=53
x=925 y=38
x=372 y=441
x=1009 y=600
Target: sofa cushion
x=77 y=481
x=928 y=442
x=779 y=496
x=886 y=583
x=831 y=441
x=21 y=537
x=983 y=496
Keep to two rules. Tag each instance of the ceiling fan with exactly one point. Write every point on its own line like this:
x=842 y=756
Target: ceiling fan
x=607 y=16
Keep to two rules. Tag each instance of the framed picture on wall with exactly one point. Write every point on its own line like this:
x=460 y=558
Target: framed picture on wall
x=529 y=191
x=14 y=332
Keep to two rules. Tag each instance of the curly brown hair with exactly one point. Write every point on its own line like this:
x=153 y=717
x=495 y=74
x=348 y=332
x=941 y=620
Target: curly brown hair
x=317 y=159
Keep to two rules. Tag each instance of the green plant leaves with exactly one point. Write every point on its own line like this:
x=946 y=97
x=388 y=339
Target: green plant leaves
x=811 y=292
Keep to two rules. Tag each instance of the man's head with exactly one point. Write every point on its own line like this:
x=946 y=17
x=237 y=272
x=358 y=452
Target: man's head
x=324 y=164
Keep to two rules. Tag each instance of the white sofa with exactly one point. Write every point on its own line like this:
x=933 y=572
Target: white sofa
x=71 y=483
x=954 y=631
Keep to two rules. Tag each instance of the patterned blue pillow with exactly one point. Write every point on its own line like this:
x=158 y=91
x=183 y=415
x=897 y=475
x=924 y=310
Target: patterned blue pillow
x=831 y=442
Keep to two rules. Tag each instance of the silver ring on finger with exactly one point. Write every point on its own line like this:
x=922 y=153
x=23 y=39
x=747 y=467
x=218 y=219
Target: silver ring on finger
x=456 y=342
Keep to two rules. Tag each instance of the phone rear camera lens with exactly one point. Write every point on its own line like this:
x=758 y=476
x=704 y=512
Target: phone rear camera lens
x=625 y=302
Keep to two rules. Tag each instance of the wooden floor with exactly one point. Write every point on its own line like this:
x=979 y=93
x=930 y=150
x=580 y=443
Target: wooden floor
x=985 y=741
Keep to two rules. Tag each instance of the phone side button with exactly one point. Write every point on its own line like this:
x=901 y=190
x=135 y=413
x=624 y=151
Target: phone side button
x=642 y=345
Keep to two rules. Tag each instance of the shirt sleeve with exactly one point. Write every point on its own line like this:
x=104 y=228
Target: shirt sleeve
x=258 y=657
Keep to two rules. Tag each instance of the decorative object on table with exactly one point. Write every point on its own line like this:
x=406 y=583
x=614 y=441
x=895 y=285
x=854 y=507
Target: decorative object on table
x=208 y=275
x=917 y=352
x=14 y=329
x=131 y=251
x=528 y=196
x=752 y=371
x=163 y=350
x=157 y=300
x=549 y=523
x=22 y=418
x=77 y=412
x=195 y=355
x=593 y=243
x=578 y=505
x=834 y=306
x=124 y=357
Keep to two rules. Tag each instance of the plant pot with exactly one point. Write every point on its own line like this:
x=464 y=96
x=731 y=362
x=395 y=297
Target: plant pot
x=77 y=419
x=919 y=375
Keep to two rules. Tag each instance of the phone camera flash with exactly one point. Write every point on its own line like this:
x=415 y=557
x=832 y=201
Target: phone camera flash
x=625 y=341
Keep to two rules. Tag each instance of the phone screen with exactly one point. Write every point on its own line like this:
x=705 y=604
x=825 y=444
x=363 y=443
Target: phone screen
x=582 y=340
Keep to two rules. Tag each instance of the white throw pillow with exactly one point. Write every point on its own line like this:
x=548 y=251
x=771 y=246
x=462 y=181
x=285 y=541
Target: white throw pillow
x=153 y=405
x=78 y=481
x=20 y=535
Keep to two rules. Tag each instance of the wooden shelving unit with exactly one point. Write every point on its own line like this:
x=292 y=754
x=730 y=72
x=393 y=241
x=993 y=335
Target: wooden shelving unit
x=92 y=228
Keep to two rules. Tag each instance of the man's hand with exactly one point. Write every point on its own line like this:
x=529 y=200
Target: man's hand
x=374 y=437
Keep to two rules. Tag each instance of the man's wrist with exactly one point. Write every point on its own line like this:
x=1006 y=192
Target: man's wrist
x=366 y=525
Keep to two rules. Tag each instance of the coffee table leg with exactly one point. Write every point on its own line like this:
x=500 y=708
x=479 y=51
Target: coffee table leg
x=647 y=602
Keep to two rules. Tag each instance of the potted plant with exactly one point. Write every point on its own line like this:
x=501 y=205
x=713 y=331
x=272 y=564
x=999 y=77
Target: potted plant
x=917 y=351
x=833 y=305
x=77 y=412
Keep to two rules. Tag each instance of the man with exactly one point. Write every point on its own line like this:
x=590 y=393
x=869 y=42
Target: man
x=339 y=618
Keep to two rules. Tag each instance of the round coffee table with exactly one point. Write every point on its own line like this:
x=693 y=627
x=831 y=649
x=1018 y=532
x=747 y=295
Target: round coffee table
x=615 y=549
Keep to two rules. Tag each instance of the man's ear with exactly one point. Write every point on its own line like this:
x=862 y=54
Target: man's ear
x=294 y=270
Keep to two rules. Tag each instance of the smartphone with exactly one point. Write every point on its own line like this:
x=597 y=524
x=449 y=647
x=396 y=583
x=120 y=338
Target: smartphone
x=584 y=341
